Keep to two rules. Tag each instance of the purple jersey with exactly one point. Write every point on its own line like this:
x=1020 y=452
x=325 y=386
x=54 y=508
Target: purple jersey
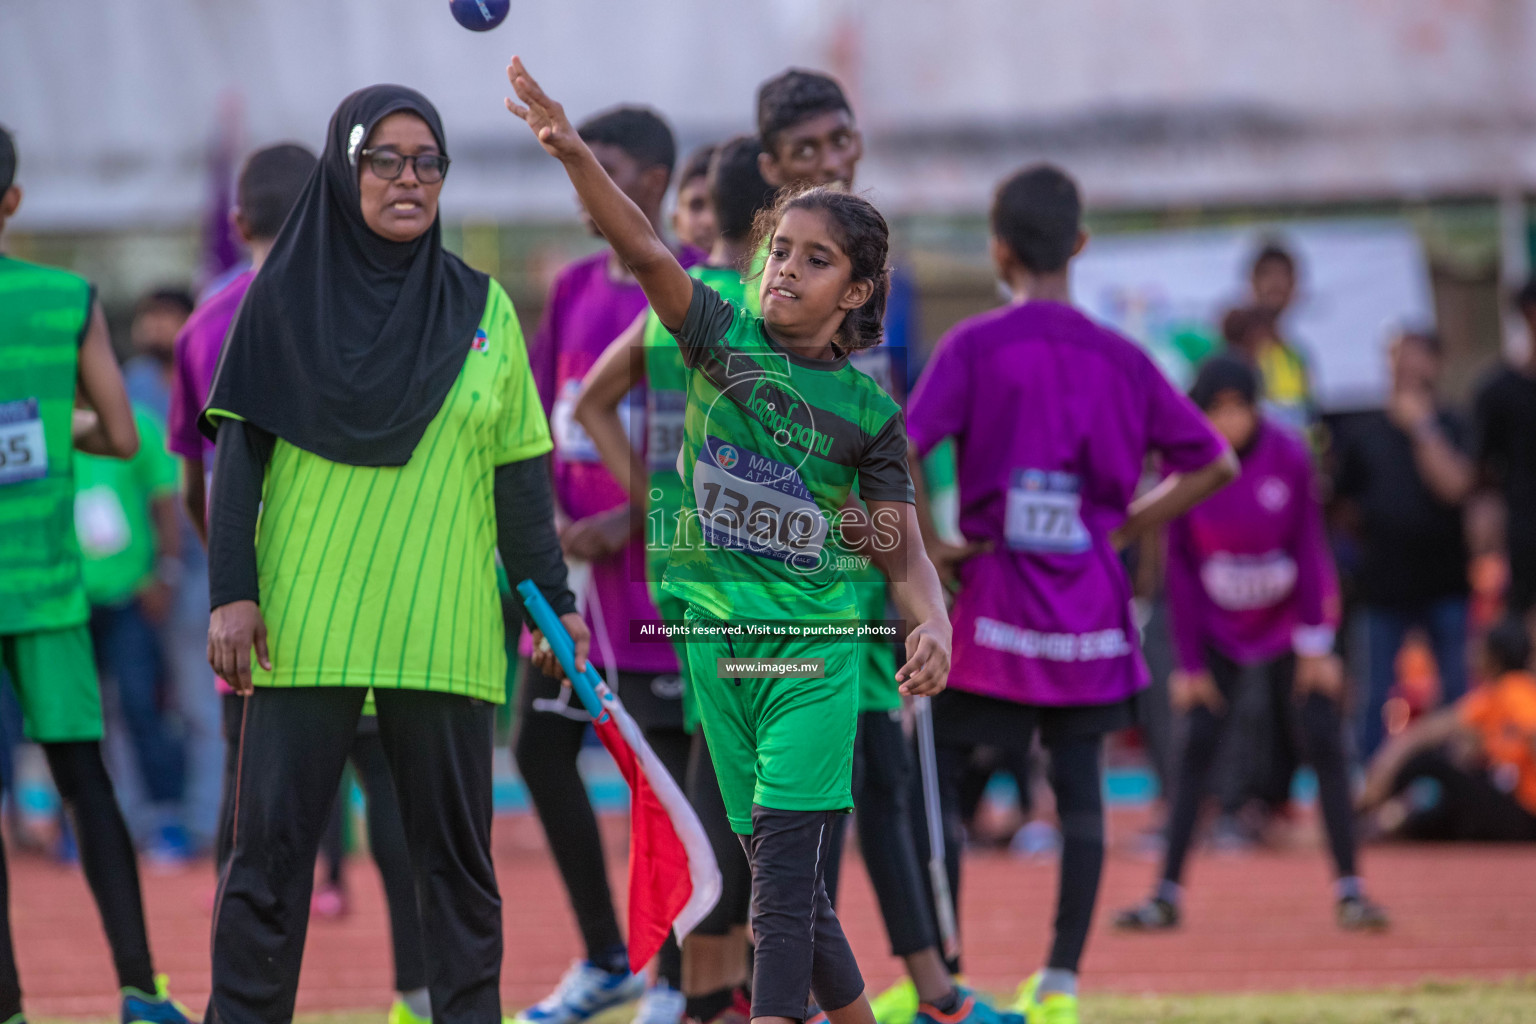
x=1249 y=571
x=587 y=310
x=1053 y=417
x=197 y=356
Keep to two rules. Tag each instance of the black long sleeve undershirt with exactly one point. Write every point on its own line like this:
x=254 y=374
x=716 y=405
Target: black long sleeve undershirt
x=525 y=521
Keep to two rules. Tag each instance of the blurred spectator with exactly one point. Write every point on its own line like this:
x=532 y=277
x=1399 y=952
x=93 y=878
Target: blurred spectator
x=1257 y=333
x=126 y=518
x=1402 y=476
x=268 y=185
x=1468 y=772
x=1506 y=454
x=157 y=319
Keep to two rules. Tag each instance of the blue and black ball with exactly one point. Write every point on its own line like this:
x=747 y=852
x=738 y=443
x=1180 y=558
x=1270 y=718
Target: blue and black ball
x=480 y=15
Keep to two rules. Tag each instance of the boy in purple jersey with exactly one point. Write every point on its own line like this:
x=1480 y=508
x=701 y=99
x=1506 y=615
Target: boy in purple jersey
x=1251 y=586
x=1052 y=418
x=592 y=301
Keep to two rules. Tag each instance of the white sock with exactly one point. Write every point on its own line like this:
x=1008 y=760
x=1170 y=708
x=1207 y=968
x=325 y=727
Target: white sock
x=1055 y=979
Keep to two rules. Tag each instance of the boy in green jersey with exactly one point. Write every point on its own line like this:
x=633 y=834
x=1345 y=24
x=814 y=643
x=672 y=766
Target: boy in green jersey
x=715 y=952
x=778 y=429
x=54 y=347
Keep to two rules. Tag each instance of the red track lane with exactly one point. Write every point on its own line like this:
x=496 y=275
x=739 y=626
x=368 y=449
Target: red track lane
x=1253 y=922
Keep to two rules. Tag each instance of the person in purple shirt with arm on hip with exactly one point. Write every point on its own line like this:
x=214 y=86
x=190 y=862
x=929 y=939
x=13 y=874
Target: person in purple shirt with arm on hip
x=1251 y=586
x=1053 y=418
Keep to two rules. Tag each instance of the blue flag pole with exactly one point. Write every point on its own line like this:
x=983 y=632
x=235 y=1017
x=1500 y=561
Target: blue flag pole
x=586 y=683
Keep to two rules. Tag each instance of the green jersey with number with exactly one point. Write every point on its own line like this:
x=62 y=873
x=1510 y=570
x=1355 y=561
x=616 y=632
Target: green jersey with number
x=772 y=445
x=44 y=313
x=666 y=398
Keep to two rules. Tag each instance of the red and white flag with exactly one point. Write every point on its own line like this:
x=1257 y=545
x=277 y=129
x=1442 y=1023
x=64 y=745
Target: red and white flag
x=673 y=878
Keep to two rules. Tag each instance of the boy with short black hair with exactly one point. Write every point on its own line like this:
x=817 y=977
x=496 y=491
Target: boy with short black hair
x=1044 y=636
x=54 y=346
x=807 y=129
x=693 y=213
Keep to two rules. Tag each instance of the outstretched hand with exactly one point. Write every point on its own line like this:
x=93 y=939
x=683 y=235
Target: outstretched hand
x=542 y=114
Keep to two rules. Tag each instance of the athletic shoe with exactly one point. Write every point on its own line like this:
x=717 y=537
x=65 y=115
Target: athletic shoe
x=661 y=1004
x=1036 y=840
x=1358 y=914
x=1155 y=915
x=1055 y=1008
x=897 y=1004
x=142 y=1008
x=971 y=1011
x=583 y=991
x=20 y=1018
x=170 y=850
x=401 y=1014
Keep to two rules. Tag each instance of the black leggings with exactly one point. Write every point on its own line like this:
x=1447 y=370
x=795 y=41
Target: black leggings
x=1315 y=721
x=966 y=721
x=108 y=860
x=294 y=744
x=550 y=732
x=1469 y=807
x=386 y=838
x=882 y=779
x=801 y=949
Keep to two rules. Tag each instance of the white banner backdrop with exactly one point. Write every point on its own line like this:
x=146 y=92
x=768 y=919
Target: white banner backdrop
x=1360 y=280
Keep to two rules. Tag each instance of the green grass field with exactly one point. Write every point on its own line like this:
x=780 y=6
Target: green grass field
x=1430 y=1003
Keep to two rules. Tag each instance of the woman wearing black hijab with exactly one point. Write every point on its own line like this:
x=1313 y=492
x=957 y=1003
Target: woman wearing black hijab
x=375 y=406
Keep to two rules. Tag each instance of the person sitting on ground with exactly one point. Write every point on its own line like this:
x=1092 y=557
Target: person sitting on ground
x=1478 y=758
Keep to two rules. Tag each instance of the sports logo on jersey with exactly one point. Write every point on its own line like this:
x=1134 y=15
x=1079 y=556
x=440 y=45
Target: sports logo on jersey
x=726 y=456
x=1274 y=494
x=481 y=343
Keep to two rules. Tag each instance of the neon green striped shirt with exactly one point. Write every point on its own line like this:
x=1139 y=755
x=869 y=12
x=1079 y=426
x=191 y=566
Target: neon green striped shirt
x=385 y=576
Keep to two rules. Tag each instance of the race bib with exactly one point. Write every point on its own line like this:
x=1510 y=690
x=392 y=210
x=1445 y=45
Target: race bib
x=1044 y=513
x=23 y=448
x=747 y=502
x=1242 y=583
x=100 y=522
x=572 y=443
x=664 y=417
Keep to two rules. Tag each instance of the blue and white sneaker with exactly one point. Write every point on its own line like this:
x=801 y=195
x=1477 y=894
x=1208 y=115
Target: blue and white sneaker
x=584 y=991
x=157 y=1008
x=661 y=1004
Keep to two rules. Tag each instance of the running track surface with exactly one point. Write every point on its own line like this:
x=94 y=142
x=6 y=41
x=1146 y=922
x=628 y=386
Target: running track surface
x=1260 y=921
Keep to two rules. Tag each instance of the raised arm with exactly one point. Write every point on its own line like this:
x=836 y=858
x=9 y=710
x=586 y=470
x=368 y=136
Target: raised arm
x=667 y=286
x=616 y=371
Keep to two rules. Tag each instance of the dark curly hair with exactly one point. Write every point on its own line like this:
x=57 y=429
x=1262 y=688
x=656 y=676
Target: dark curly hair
x=862 y=233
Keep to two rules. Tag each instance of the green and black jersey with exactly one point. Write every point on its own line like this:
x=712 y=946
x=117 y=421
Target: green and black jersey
x=385 y=576
x=666 y=398
x=772 y=445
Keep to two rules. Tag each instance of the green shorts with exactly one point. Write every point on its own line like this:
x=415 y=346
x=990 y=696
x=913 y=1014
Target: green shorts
x=782 y=743
x=54 y=674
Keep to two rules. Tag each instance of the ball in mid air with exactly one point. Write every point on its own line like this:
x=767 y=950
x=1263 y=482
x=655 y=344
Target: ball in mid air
x=480 y=15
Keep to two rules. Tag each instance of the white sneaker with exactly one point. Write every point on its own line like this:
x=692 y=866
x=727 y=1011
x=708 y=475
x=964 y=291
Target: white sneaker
x=661 y=1004
x=584 y=991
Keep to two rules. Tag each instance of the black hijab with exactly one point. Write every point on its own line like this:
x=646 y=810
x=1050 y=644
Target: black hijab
x=347 y=343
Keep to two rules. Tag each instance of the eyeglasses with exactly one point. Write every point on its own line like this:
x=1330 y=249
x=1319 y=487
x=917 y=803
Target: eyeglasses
x=387 y=164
